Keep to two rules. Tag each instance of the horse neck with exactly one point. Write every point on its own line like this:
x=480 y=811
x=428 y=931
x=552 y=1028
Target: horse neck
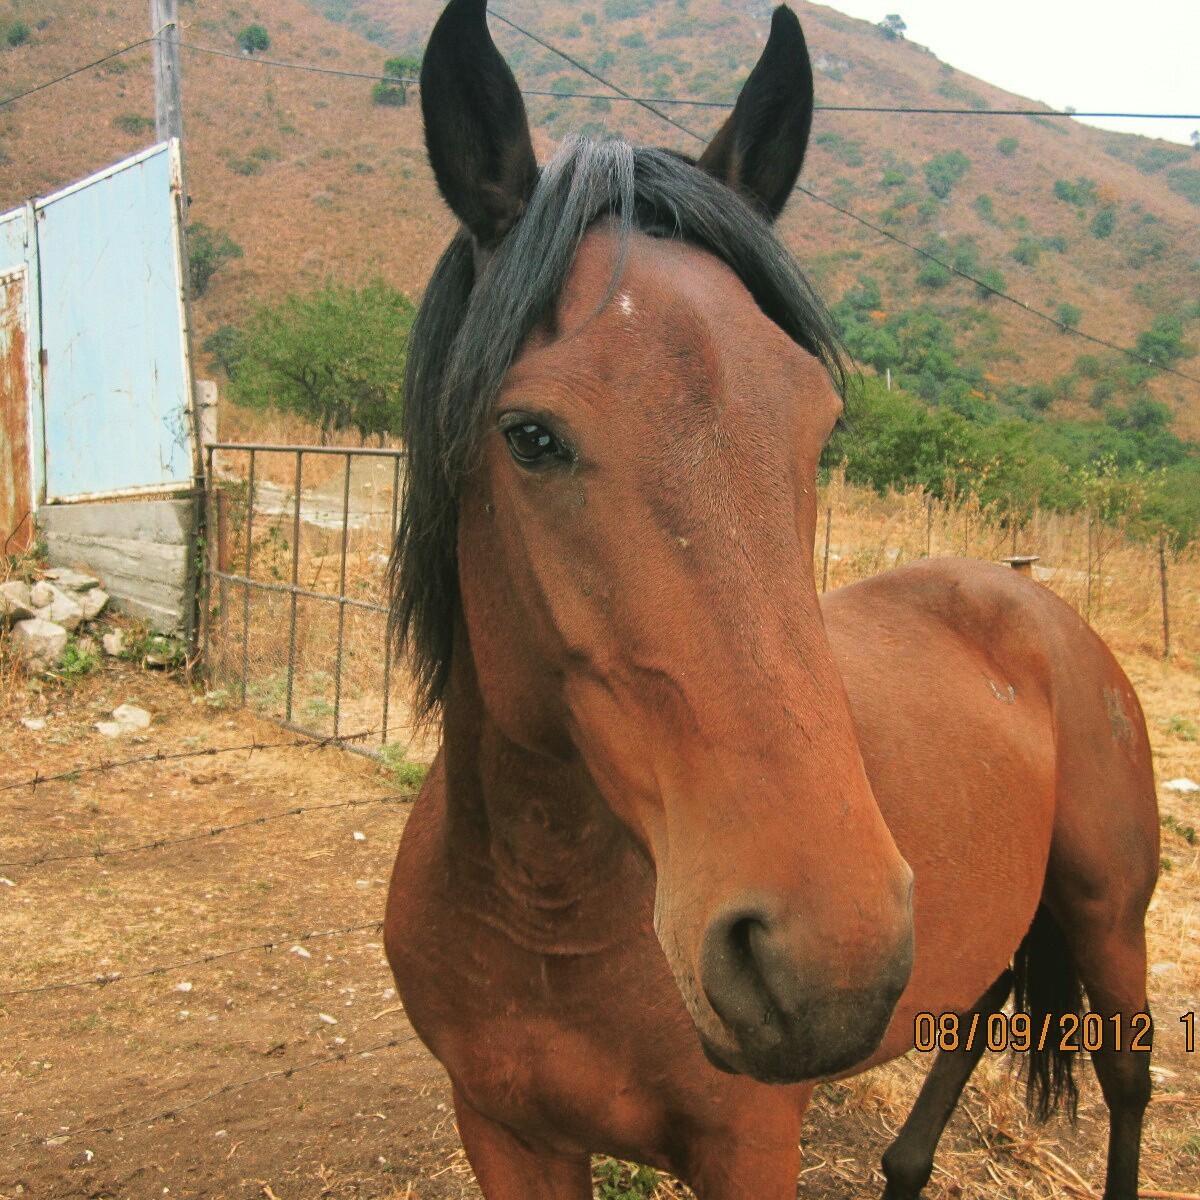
x=530 y=843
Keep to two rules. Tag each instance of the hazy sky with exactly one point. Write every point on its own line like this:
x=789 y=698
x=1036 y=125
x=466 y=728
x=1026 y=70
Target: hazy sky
x=1142 y=57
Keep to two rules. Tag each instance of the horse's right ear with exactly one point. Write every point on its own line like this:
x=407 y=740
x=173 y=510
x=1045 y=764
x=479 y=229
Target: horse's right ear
x=476 y=130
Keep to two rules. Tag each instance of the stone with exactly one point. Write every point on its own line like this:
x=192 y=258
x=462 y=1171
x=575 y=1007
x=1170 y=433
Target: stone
x=35 y=724
x=41 y=595
x=38 y=643
x=73 y=581
x=62 y=608
x=15 y=603
x=113 y=643
x=1186 y=786
x=131 y=715
x=92 y=602
x=86 y=645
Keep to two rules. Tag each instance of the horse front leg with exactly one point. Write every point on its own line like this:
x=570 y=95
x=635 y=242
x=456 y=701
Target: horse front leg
x=511 y=1168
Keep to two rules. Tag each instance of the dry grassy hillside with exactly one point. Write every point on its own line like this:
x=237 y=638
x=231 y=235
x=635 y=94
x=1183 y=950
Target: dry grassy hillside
x=312 y=179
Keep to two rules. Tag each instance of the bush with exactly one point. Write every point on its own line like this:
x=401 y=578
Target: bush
x=1007 y=146
x=992 y=281
x=1185 y=182
x=1068 y=316
x=334 y=355
x=893 y=178
x=1081 y=193
x=943 y=172
x=892 y=27
x=985 y=206
x=1104 y=222
x=1055 y=242
x=254 y=39
x=846 y=150
x=245 y=166
x=17 y=34
x=226 y=347
x=1163 y=341
x=208 y=251
x=133 y=124
x=933 y=275
x=1027 y=252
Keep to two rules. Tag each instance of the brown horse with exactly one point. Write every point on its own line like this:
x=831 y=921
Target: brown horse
x=660 y=878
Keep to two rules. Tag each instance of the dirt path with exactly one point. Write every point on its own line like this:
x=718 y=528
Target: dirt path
x=223 y=1080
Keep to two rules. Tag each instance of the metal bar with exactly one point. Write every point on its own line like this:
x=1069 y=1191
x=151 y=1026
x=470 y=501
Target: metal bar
x=291 y=662
x=337 y=678
x=387 y=633
x=286 y=589
x=283 y=448
x=246 y=604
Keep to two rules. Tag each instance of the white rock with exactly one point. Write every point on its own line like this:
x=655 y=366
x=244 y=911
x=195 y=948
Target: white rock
x=183 y=987
x=15 y=604
x=38 y=643
x=37 y=724
x=62 y=608
x=359 y=836
x=41 y=594
x=327 y=1018
x=92 y=602
x=113 y=643
x=300 y=950
x=131 y=715
x=1181 y=785
x=111 y=729
x=74 y=581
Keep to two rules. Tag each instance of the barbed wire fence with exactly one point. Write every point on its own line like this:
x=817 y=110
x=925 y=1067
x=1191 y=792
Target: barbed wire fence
x=287 y=941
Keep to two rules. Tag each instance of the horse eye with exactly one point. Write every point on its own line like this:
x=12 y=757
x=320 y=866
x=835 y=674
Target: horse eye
x=532 y=444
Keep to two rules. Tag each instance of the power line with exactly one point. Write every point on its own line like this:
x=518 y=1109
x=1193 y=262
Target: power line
x=41 y=87
x=1021 y=304
x=691 y=102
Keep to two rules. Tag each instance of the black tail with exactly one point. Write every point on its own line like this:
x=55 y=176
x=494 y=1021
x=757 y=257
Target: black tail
x=1046 y=986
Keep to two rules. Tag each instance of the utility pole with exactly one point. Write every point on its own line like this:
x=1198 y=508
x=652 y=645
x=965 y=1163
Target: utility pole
x=168 y=111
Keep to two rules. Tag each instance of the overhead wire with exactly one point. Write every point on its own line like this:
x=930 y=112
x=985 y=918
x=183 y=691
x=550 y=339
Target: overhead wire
x=41 y=87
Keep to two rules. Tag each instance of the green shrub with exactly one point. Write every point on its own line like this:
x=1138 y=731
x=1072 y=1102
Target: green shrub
x=1068 y=316
x=933 y=275
x=254 y=39
x=1027 y=252
x=622 y=10
x=846 y=150
x=944 y=171
x=893 y=177
x=208 y=251
x=985 y=206
x=1055 y=242
x=992 y=280
x=17 y=34
x=225 y=347
x=392 y=90
x=1081 y=193
x=133 y=124
x=1104 y=222
x=1163 y=341
x=245 y=166
x=1007 y=146
x=892 y=27
x=1185 y=182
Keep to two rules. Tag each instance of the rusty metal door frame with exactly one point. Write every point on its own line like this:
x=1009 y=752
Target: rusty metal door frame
x=17 y=529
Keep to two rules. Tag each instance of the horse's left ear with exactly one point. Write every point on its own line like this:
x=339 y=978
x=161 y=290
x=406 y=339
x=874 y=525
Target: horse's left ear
x=760 y=149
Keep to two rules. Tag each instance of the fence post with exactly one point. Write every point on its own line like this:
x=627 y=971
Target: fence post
x=929 y=525
x=1162 y=579
x=825 y=568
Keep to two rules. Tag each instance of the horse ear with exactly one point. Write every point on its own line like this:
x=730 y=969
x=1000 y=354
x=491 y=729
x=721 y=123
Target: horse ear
x=759 y=150
x=476 y=130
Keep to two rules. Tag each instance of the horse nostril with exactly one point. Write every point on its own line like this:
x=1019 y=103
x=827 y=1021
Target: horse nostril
x=731 y=969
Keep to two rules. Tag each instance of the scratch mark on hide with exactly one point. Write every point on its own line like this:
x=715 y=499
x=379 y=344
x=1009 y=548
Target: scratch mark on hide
x=1006 y=694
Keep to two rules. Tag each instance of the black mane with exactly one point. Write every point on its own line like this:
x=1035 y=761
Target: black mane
x=469 y=330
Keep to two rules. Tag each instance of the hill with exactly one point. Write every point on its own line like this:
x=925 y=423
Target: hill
x=311 y=179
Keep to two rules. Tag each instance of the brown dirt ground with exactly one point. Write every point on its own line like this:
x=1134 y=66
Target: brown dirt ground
x=149 y=1088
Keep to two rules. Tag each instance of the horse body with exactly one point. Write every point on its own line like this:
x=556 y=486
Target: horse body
x=520 y=919
x=697 y=838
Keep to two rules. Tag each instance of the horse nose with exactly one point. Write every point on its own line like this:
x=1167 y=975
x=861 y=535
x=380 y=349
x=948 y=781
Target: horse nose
x=789 y=1020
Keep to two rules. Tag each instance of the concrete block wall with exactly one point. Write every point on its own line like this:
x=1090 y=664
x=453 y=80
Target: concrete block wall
x=141 y=550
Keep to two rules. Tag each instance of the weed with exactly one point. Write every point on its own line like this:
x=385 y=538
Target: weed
x=1187 y=832
x=623 y=1181
x=409 y=775
x=1180 y=727
x=76 y=662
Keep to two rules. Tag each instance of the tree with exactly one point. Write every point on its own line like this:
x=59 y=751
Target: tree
x=334 y=355
x=208 y=251
x=892 y=27
x=398 y=76
x=990 y=282
x=254 y=39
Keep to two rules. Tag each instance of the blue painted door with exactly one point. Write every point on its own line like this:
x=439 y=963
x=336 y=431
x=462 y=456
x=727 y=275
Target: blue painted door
x=115 y=374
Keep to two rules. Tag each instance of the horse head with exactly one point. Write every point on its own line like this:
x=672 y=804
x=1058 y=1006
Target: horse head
x=619 y=388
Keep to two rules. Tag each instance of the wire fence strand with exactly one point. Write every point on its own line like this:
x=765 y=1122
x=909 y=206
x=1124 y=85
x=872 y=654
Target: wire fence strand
x=309 y=742
x=106 y=980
